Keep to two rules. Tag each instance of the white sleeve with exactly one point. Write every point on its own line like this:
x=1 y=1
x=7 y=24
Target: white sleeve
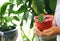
x=58 y=6
x=57 y=12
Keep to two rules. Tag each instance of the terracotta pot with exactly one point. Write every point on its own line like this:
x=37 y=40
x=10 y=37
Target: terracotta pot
x=47 y=23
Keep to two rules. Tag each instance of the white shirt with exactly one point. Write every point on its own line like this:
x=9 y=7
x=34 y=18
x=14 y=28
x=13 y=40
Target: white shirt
x=57 y=12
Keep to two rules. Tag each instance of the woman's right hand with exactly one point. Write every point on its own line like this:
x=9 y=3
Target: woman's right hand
x=37 y=31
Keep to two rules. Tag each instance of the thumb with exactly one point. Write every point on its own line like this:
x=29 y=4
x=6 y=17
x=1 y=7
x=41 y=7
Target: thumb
x=47 y=30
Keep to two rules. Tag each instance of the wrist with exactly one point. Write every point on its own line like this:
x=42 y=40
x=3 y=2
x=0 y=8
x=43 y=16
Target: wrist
x=58 y=32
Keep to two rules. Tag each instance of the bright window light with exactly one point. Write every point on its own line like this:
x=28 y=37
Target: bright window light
x=2 y=1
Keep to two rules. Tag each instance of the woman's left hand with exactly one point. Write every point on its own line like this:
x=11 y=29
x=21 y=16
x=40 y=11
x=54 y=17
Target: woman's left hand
x=50 y=32
x=47 y=33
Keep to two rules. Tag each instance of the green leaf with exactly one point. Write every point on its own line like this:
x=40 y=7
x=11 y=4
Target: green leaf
x=47 y=7
x=18 y=2
x=14 y=25
x=52 y=4
x=0 y=21
x=16 y=18
x=22 y=9
x=32 y=22
x=25 y=38
x=24 y=2
x=30 y=2
x=5 y=27
x=26 y=15
x=3 y=8
x=33 y=37
x=38 y=6
x=11 y=1
x=21 y=24
x=41 y=18
x=8 y=19
x=0 y=12
x=10 y=9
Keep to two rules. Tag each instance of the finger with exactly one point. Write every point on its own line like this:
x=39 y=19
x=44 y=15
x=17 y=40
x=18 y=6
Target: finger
x=37 y=32
x=40 y=33
x=47 y=30
x=49 y=34
x=34 y=25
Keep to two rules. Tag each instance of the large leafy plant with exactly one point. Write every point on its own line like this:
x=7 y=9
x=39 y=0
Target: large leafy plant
x=4 y=20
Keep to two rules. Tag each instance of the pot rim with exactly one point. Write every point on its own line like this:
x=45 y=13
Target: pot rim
x=12 y=30
x=36 y=18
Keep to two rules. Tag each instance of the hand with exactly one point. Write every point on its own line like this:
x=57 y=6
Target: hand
x=37 y=31
x=47 y=33
x=51 y=32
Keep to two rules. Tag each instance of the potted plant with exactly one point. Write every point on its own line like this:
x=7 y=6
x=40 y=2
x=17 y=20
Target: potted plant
x=42 y=16
x=8 y=32
x=43 y=22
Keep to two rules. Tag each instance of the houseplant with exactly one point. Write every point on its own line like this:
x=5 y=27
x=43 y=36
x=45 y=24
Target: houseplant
x=43 y=22
x=44 y=18
x=41 y=14
x=8 y=32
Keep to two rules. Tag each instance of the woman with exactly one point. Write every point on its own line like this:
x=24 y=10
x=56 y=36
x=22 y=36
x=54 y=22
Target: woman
x=55 y=29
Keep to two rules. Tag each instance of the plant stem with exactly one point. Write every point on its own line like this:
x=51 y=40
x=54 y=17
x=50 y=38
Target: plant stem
x=33 y=37
x=23 y=33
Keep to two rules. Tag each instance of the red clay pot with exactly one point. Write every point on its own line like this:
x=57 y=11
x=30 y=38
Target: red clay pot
x=46 y=24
